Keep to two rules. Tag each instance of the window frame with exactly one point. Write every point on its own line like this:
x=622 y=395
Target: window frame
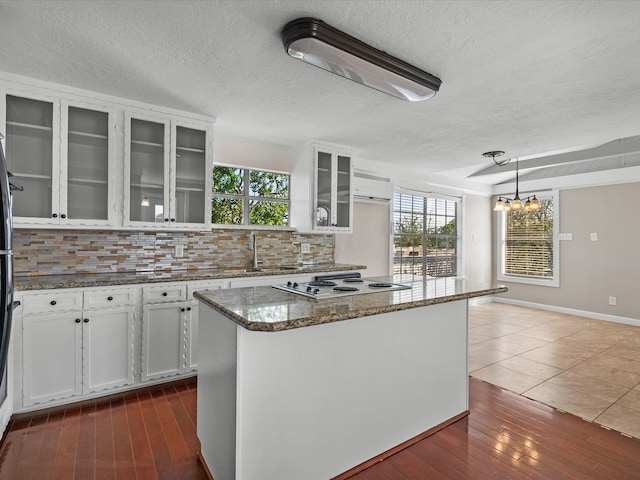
x=246 y=197
x=426 y=236
x=501 y=276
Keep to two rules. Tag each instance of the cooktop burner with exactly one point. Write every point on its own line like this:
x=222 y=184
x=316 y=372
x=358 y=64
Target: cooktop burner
x=345 y=289
x=338 y=285
x=322 y=283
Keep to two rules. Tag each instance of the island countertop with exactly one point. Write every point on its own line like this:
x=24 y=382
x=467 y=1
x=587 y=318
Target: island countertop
x=271 y=310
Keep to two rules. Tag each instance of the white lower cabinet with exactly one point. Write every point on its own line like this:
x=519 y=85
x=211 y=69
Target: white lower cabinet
x=52 y=357
x=164 y=350
x=76 y=353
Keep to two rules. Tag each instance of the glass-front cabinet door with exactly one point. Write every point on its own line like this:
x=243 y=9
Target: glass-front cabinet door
x=32 y=153
x=85 y=192
x=333 y=190
x=191 y=175
x=147 y=152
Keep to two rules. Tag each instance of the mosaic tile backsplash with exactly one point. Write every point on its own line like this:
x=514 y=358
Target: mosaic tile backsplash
x=54 y=252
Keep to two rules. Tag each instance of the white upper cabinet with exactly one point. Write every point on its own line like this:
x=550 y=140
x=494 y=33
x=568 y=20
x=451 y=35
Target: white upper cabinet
x=333 y=206
x=59 y=152
x=87 y=160
x=167 y=172
x=322 y=189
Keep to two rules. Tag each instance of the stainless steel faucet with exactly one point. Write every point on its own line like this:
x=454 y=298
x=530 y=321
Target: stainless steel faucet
x=254 y=246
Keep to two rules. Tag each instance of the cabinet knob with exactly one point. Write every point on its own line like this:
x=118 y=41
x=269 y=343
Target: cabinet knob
x=182 y=309
x=188 y=309
x=63 y=216
x=166 y=219
x=173 y=219
x=109 y=298
x=53 y=302
x=86 y=320
x=78 y=320
x=55 y=215
x=164 y=294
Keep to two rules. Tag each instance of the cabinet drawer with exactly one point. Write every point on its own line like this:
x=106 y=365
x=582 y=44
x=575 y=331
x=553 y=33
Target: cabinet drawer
x=169 y=293
x=198 y=286
x=51 y=302
x=109 y=298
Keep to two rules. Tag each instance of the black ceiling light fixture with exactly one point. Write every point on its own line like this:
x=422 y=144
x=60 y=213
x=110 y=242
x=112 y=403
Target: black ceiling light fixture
x=506 y=204
x=317 y=43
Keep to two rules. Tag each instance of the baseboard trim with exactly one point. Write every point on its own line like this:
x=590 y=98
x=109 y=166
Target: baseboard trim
x=569 y=311
x=205 y=466
x=392 y=451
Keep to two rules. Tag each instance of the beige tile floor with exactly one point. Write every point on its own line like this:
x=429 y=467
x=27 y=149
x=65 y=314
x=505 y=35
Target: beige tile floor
x=587 y=367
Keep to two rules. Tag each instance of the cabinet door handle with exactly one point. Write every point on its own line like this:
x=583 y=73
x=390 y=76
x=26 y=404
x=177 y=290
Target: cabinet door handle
x=109 y=298
x=63 y=216
x=86 y=320
x=55 y=215
x=78 y=320
x=164 y=294
x=53 y=302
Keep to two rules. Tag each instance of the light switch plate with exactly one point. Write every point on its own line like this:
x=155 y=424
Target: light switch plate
x=565 y=236
x=594 y=237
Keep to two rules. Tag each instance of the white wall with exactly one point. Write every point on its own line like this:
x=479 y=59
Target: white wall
x=369 y=243
x=230 y=150
x=476 y=237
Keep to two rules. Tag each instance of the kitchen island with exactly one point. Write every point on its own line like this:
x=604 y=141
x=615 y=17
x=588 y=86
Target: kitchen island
x=295 y=388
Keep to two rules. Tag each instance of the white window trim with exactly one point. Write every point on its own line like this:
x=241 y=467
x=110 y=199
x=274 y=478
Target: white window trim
x=459 y=224
x=501 y=226
x=246 y=197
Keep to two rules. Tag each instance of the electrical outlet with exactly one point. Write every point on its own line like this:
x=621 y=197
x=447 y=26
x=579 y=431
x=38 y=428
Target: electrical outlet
x=305 y=248
x=179 y=251
x=612 y=300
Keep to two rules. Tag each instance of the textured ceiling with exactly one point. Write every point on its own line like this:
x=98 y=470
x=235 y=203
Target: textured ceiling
x=527 y=77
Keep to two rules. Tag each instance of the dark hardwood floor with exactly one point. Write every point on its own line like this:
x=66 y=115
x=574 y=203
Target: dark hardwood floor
x=152 y=435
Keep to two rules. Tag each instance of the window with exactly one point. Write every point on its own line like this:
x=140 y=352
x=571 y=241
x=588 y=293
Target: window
x=425 y=238
x=528 y=249
x=249 y=197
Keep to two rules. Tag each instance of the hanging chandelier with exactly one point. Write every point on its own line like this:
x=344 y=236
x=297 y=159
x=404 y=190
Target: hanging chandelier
x=506 y=204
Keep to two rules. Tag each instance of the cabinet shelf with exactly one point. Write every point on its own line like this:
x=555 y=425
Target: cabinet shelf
x=88 y=135
x=29 y=126
x=189 y=149
x=146 y=144
x=87 y=181
x=32 y=176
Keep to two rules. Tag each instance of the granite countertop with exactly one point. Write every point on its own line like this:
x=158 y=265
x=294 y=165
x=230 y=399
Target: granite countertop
x=81 y=280
x=270 y=310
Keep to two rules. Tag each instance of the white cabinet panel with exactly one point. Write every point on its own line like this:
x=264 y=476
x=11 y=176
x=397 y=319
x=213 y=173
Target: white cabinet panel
x=52 y=302
x=163 y=352
x=52 y=357
x=108 y=342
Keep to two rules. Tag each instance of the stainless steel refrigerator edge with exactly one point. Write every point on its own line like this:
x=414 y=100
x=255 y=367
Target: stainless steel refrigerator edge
x=6 y=268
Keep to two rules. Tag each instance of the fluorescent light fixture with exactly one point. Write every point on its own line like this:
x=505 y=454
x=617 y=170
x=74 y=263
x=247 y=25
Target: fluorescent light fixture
x=314 y=42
